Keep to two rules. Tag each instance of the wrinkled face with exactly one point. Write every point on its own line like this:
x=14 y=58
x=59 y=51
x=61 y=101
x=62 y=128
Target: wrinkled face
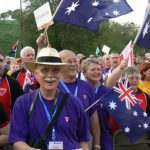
x=28 y=56
x=114 y=60
x=134 y=81
x=72 y=60
x=2 y=64
x=48 y=77
x=93 y=73
x=147 y=74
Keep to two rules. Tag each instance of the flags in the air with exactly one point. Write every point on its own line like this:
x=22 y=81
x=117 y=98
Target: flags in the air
x=127 y=53
x=90 y=13
x=124 y=107
x=115 y=9
x=97 y=51
x=14 y=48
x=143 y=37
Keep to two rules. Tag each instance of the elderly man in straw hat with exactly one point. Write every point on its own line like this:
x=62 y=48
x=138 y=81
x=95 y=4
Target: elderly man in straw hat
x=71 y=129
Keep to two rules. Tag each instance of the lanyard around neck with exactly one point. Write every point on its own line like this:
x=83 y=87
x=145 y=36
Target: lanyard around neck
x=97 y=87
x=67 y=89
x=54 y=107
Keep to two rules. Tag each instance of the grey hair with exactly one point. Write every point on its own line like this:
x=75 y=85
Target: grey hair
x=106 y=56
x=87 y=62
x=26 y=48
x=130 y=70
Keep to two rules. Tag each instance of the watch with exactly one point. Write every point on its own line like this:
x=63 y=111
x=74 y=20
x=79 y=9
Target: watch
x=97 y=146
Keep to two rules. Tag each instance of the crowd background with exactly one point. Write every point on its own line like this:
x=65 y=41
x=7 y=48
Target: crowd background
x=88 y=77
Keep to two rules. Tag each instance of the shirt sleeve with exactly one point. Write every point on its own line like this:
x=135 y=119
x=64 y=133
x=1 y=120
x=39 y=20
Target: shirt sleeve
x=19 y=125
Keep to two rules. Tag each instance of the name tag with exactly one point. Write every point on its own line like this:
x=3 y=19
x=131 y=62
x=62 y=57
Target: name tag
x=55 y=145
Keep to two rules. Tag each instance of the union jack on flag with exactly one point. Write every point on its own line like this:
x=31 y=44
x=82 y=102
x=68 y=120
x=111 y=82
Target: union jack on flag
x=126 y=94
x=125 y=108
x=29 y=82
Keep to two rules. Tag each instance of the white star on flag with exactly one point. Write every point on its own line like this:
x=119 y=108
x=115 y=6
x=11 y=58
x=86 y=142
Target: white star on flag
x=106 y=14
x=112 y=105
x=72 y=7
x=139 y=126
x=115 y=12
x=145 y=125
x=145 y=30
x=95 y=3
x=116 y=1
x=90 y=19
x=127 y=130
x=135 y=113
x=144 y=114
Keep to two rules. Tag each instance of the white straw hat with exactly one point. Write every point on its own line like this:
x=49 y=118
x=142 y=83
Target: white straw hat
x=47 y=56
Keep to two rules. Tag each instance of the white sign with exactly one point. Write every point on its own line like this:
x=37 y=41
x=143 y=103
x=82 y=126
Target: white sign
x=106 y=49
x=43 y=16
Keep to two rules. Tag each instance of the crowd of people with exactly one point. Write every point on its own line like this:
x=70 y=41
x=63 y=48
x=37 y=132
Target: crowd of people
x=58 y=87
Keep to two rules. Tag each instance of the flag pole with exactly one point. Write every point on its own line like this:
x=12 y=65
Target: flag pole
x=92 y=105
x=45 y=32
x=16 y=53
x=53 y=16
x=21 y=24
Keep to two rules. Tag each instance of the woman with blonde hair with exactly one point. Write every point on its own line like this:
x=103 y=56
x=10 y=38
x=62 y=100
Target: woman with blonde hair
x=144 y=83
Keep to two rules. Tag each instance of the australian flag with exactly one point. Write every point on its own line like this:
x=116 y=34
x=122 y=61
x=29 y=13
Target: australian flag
x=90 y=13
x=143 y=36
x=14 y=48
x=115 y=9
x=124 y=107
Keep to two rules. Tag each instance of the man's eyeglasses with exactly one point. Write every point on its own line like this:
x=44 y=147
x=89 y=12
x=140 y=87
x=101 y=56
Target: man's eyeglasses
x=46 y=70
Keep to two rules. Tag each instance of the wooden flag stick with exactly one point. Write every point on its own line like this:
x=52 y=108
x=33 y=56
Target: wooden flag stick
x=53 y=16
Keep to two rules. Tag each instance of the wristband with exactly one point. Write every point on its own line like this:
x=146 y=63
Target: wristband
x=97 y=146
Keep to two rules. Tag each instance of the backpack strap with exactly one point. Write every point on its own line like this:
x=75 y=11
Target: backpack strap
x=32 y=104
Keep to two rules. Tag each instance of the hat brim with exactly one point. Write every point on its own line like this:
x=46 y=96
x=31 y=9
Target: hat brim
x=33 y=65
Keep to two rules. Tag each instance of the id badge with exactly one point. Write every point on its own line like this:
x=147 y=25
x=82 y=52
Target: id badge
x=55 y=145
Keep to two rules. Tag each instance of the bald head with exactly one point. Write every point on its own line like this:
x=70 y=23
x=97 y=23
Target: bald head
x=66 y=54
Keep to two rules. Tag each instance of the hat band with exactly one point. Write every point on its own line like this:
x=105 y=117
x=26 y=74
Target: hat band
x=49 y=59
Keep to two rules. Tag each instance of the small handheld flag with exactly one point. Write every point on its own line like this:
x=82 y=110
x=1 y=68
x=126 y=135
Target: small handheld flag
x=14 y=48
x=97 y=51
x=127 y=53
